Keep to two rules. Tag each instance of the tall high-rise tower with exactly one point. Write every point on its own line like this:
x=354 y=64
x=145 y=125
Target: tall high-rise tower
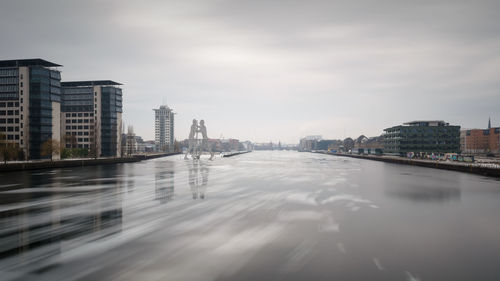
x=164 y=128
x=489 y=123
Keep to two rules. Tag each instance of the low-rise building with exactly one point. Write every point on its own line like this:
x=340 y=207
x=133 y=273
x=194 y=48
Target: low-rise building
x=480 y=141
x=309 y=143
x=422 y=137
x=365 y=145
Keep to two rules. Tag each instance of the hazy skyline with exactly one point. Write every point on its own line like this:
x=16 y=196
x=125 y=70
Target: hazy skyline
x=274 y=70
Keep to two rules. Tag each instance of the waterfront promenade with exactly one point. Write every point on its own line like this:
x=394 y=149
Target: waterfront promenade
x=491 y=169
x=265 y=215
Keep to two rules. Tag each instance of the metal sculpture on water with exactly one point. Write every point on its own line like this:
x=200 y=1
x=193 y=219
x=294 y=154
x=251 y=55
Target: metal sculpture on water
x=197 y=146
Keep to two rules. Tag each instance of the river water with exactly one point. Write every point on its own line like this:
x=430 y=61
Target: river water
x=257 y=216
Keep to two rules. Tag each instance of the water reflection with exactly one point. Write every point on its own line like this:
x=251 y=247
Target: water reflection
x=51 y=208
x=164 y=181
x=418 y=193
x=421 y=186
x=198 y=178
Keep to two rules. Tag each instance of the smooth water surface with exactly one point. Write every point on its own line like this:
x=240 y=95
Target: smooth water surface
x=257 y=216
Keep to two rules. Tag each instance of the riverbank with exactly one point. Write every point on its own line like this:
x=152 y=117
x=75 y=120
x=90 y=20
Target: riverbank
x=452 y=166
x=230 y=154
x=36 y=165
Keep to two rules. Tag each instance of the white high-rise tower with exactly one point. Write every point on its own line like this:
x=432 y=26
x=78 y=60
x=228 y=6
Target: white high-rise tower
x=164 y=128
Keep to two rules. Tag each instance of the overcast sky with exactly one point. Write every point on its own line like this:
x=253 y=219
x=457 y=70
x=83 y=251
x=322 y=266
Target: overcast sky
x=274 y=70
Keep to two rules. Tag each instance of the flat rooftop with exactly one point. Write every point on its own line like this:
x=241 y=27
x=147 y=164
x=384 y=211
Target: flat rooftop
x=90 y=83
x=424 y=121
x=27 y=62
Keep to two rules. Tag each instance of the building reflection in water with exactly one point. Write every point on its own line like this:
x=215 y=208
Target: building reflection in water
x=431 y=188
x=60 y=206
x=198 y=178
x=164 y=181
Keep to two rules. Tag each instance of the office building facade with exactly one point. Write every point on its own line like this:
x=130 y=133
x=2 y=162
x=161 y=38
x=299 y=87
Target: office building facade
x=164 y=128
x=422 y=137
x=480 y=141
x=91 y=117
x=30 y=104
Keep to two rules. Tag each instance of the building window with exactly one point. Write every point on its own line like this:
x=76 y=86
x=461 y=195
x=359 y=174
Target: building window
x=73 y=127
x=68 y=114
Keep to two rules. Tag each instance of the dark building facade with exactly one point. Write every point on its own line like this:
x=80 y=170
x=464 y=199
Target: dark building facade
x=30 y=104
x=91 y=116
x=422 y=136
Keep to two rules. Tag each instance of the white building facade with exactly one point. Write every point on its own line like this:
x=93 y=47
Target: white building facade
x=164 y=128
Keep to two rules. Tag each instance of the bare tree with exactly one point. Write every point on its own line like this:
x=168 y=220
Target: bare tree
x=50 y=147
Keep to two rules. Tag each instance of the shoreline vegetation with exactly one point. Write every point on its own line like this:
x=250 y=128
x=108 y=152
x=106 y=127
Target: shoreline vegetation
x=472 y=168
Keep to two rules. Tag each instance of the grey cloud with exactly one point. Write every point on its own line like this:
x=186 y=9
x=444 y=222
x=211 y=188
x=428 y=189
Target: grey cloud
x=281 y=68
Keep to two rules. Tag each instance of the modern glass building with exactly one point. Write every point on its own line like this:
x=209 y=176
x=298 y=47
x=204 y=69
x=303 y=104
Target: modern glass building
x=422 y=137
x=30 y=103
x=164 y=128
x=92 y=116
